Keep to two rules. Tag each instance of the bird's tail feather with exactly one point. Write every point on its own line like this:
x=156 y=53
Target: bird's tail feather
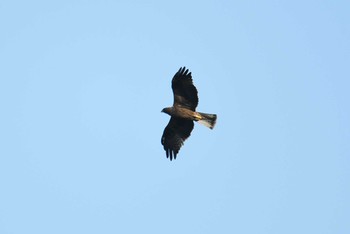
x=208 y=120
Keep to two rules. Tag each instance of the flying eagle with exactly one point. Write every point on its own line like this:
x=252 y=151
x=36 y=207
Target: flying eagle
x=183 y=113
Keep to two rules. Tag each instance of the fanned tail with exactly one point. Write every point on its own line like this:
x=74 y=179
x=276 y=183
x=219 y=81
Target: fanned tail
x=208 y=120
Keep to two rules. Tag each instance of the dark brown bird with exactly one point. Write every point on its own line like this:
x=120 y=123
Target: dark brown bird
x=183 y=113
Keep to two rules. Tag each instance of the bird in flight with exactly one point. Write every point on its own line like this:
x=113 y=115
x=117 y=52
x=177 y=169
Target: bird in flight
x=183 y=113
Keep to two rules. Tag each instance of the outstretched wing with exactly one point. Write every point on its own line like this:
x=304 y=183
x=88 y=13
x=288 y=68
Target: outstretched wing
x=174 y=135
x=185 y=93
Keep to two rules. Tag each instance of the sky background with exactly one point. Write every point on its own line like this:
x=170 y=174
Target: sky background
x=82 y=84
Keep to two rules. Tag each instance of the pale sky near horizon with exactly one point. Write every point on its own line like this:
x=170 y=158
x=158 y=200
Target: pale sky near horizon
x=82 y=84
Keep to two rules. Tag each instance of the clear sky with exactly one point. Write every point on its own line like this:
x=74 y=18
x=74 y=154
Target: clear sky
x=82 y=84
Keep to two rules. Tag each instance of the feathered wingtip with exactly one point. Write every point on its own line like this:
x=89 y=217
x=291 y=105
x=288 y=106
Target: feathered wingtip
x=208 y=120
x=183 y=70
x=171 y=154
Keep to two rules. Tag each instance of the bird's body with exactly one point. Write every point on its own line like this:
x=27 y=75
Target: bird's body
x=183 y=113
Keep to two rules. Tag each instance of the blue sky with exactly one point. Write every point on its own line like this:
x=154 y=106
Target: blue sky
x=82 y=84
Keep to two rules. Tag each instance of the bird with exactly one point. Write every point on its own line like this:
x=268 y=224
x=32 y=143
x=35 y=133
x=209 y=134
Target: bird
x=183 y=113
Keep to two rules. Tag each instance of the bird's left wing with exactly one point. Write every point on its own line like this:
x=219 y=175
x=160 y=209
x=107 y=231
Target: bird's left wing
x=185 y=93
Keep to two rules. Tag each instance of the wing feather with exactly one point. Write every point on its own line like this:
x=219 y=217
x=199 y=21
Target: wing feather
x=185 y=93
x=174 y=135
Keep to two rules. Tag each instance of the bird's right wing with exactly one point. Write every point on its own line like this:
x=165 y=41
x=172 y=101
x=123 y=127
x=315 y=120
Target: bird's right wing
x=174 y=135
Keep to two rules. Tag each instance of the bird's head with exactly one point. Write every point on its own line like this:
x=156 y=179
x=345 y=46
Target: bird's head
x=167 y=110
